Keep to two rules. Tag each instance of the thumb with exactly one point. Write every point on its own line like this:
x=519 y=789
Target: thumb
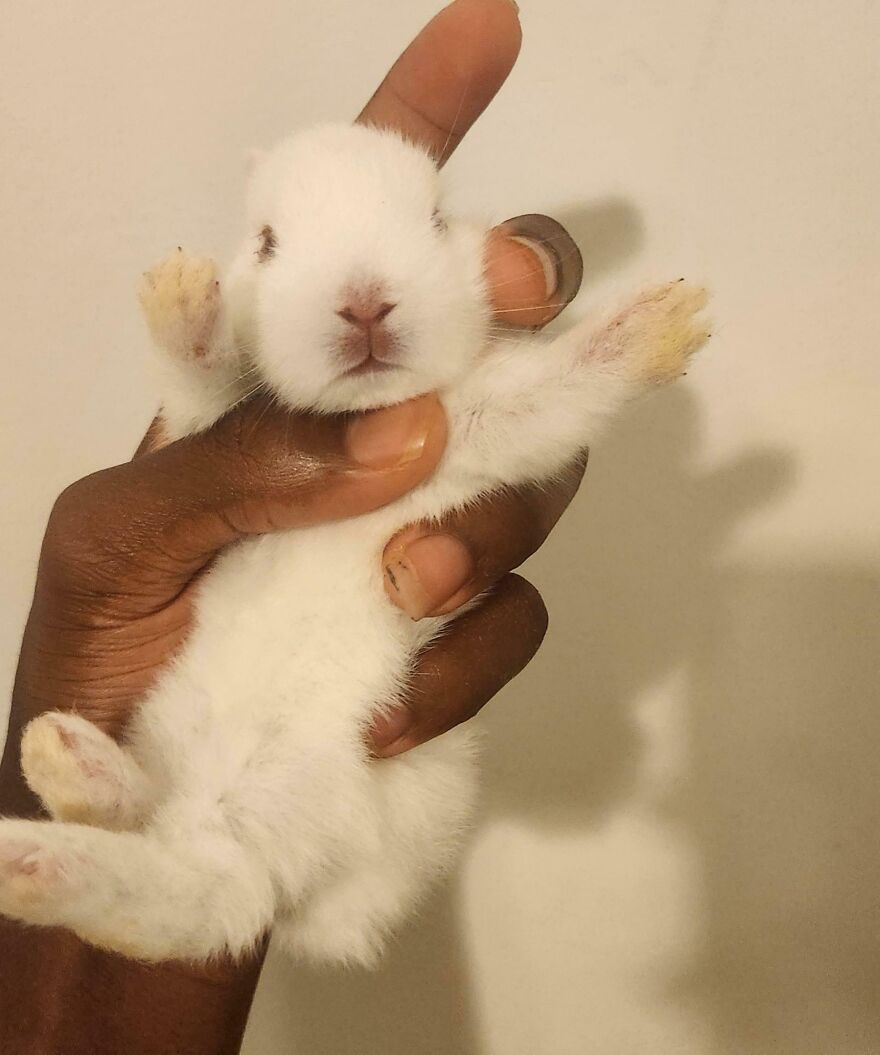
x=533 y=269
x=151 y=524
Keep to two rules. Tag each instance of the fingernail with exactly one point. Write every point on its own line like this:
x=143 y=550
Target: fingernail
x=391 y=437
x=388 y=728
x=548 y=261
x=426 y=574
x=556 y=251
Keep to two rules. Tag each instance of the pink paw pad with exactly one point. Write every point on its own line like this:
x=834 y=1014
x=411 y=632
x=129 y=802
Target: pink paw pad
x=31 y=863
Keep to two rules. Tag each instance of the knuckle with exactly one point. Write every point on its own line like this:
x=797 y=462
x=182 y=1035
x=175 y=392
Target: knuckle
x=537 y=512
x=574 y=475
x=526 y=518
x=71 y=519
x=68 y=548
x=84 y=543
x=261 y=449
x=534 y=618
x=240 y=463
x=541 y=506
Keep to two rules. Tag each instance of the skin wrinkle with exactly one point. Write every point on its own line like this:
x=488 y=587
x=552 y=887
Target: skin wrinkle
x=485 y=532
x=471 y=662
x=166 y=514
x=81 y=634
x=469 y=48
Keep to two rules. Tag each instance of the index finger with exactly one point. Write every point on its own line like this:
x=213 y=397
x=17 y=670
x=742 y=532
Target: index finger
x=448 y=75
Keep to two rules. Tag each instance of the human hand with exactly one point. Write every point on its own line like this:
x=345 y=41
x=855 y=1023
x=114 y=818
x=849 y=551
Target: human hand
x=126 y=546
x=434 y=92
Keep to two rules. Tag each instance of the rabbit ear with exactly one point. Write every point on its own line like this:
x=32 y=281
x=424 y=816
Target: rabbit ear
x=255 y=158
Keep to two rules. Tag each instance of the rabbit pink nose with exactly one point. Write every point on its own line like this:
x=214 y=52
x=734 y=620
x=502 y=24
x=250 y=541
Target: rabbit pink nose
x=365 y=313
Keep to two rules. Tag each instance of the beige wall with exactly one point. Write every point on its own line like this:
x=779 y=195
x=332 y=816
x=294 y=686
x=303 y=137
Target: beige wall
x=679 y=852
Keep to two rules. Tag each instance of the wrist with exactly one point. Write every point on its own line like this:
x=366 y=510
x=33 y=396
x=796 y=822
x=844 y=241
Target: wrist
x=58 y=994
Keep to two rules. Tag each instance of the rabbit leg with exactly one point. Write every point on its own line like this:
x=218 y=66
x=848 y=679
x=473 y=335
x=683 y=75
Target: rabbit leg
x=82 y=775
x=190 y=325
x=193 y=896
x=653 y=338
x=531 y=406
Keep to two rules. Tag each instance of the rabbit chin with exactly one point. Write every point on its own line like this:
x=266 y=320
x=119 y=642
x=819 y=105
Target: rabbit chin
x=361 y=391
x=378 y=390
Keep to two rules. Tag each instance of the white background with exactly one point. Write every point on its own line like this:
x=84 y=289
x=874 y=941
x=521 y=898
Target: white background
x=679 y=851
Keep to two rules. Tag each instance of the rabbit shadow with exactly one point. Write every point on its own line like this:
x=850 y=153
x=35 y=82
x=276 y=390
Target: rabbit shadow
x=629 y=579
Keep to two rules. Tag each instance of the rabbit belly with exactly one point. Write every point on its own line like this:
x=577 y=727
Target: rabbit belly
x=260 y=727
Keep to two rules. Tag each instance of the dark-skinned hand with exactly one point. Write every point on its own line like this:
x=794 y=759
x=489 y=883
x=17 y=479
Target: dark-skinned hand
x=125 y=547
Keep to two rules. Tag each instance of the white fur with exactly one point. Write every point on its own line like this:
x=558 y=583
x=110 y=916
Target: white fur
x=244 y=783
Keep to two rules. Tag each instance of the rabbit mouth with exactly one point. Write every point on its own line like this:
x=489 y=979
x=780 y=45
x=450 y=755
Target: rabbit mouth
x=371 y=365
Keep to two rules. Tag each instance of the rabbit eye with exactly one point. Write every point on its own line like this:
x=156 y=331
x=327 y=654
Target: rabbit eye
x=438 y=221
x=268 y=244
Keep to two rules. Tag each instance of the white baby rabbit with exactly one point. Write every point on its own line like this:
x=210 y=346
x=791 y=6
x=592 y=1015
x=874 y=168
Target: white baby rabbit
x=243 y=797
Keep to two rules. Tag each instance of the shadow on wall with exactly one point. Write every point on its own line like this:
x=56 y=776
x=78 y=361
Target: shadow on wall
x=633 y=569
x=780 y=799
x=783 y=803
x=608 y=232
x=417 y=1003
